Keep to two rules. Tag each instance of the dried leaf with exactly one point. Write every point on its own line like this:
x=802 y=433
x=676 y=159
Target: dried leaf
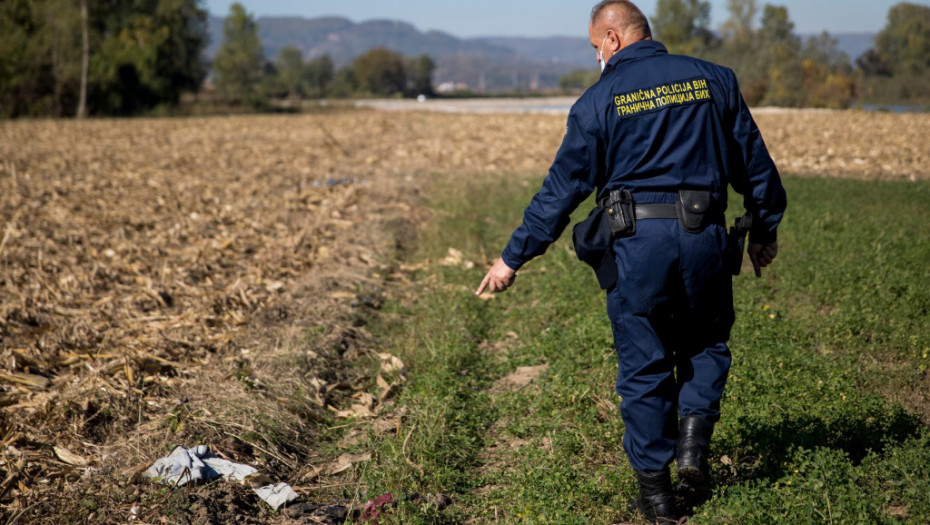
x=256 y=480
x=347 y=461
x=30 y=380
x=366 y=399
x=69 y=457
x=412 y=267
x=391 y=363
x=382 y=425
x=453 y=258
x=519 y=378
x=360 y=411
x=312 y=475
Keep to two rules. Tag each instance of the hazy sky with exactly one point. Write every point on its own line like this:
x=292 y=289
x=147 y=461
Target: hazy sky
x=466 y=18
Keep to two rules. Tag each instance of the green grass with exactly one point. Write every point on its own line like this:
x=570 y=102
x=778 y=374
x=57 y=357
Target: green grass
x=819 y=424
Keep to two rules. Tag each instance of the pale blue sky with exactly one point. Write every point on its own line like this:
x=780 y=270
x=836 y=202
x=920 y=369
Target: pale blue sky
x=467 y=18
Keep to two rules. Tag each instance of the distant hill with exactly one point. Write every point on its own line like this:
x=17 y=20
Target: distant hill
x=854 y=44
x=486 y=63
x=578 y=51
x=574 y=51
x=481 y=63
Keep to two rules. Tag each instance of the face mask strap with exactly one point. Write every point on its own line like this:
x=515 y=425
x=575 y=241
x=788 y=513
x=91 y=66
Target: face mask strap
x=600 y=54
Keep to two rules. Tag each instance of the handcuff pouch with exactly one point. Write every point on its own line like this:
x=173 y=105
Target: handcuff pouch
x=695 y=210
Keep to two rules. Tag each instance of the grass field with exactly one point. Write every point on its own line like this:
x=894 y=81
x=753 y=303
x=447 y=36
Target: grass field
x=825 y=413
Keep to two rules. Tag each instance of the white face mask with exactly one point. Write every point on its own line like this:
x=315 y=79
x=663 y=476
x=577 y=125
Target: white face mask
x=600 y=55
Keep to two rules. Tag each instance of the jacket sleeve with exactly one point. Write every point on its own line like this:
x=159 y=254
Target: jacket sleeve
x=569 y=182
x=754 y=174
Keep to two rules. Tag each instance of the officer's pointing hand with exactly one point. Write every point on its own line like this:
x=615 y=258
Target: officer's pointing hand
x=762 y=255
x=499 y=278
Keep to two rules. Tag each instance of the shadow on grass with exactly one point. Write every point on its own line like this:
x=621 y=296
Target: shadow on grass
x=768 y=445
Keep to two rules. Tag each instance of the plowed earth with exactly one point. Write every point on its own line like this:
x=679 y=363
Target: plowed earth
x=196 y=281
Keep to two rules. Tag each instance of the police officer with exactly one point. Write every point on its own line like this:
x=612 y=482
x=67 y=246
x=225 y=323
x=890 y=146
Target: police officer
x=659 y=136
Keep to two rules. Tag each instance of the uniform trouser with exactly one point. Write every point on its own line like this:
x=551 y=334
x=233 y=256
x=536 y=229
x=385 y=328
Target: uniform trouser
x=671 y=313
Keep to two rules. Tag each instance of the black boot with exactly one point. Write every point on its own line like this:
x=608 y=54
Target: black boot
x=693 y=443
x=656 y=501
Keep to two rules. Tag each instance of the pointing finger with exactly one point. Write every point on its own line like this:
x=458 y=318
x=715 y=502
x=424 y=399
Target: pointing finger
x=484 y=284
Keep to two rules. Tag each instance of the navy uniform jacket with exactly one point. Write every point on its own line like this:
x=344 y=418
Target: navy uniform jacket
x=654 y=122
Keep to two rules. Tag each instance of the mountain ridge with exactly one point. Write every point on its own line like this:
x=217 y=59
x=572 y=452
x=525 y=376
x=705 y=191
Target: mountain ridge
x=490 y=63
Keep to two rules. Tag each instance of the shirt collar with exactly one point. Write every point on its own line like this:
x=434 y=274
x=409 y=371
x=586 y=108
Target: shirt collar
x=641 y=49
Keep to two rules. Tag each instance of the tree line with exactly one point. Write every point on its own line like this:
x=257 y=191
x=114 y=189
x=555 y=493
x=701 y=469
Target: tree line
x=123 y=57
x=112 y=57
x=775 y=67
x=242 y=75
x=64 y=58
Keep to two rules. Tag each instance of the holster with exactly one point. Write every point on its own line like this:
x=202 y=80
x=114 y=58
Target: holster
x=594 y=246
x=736 y=243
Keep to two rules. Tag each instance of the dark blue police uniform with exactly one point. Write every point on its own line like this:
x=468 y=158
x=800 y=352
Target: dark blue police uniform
x=655 y=124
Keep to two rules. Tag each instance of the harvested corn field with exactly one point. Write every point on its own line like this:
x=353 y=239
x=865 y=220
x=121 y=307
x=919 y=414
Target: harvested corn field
x=856 y=144
x=172 y=282
x=192 y=281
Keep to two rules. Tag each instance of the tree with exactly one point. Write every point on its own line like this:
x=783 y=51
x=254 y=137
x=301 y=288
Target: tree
x=739 y=28
x=579 y=79
x=85 y=60
x=826 y=77
x=24 y=76
x=62 y=34
x=290 y=67
x=150 y=52
x=895 y=70
x=238 y=63
x=740 y=49
x=781 y=57
x=904 y=43
x=118 y=56
x=319 y=74
x=683 y=26
x=344 y=83
x=380 y=72
x=873 y=64
x=420 y=75
x=179 y=62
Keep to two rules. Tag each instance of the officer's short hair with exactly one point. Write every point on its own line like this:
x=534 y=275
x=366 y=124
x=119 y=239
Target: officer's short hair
x=637 y=20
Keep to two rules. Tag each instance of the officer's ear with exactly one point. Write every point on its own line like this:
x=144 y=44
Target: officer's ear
x=614 y=41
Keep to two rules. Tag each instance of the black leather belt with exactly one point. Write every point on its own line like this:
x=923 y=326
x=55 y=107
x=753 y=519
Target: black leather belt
x=656 y=211
x=670 y=211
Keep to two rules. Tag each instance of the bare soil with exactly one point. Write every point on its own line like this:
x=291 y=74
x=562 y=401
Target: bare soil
x=193 y=281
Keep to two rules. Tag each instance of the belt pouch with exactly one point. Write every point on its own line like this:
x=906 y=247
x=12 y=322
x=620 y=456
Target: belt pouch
x=694 y=209
x=620 y=214
x=593 y=245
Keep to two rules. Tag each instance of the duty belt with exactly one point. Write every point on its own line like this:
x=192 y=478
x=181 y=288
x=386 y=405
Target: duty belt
x=655 y=211
x=670 y=211
x=694 y=210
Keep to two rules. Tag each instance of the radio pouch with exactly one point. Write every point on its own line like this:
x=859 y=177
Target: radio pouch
x=620 y=216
